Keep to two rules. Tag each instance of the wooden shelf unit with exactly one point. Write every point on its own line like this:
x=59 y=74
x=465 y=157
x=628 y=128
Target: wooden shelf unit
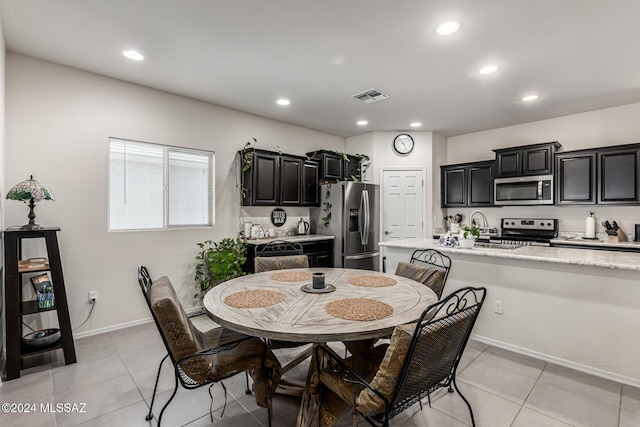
x=16 y=308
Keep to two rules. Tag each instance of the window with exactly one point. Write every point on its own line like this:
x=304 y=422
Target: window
x=155 y=186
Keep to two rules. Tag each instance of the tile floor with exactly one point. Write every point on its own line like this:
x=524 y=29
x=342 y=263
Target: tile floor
x=115 y=374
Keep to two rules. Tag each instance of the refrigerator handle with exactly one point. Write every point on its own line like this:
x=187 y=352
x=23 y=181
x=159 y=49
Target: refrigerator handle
x=361 y=218
x=367 y=218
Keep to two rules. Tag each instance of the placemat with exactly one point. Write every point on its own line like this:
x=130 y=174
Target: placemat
x=371 y=281
x=291 y=276
x=254 y=298
x=358 y=309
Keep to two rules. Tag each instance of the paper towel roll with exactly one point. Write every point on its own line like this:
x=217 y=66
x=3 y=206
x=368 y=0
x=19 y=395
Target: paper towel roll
x=590 y=227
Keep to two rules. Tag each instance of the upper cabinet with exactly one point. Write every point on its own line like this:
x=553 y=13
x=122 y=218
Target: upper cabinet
x=526 y=160
x=576 y=178
x=336 y=166
x=273 y=179
x=468 y=184
x=310 y=180
x=618 y=179
x=608 y=175
x=290 y=181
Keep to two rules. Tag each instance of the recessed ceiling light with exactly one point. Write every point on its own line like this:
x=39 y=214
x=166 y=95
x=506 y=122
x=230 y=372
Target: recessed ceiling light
x=488 y=69
x=132 y=54
x=416 y=124
x=447 y=28
x=529 y=98
x=362 y=123
x=283 y=101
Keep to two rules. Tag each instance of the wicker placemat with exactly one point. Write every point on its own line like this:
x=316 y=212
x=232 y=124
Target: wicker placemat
x=371 y=281
x=291 y=276
x=254 y=298
x=358 y=309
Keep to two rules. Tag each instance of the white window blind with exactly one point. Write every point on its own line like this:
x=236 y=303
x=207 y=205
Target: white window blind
x=154 y=186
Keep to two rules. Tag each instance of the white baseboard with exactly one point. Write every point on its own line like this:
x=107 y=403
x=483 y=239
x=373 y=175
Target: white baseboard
x=125 y=325
x=559 y=361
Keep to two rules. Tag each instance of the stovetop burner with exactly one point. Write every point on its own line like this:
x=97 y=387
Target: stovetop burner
x=527 y=231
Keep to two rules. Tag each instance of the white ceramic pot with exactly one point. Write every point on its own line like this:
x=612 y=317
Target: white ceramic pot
x=466 y=243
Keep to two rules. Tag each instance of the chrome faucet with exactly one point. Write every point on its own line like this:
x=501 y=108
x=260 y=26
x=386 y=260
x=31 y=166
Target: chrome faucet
x=485 y=223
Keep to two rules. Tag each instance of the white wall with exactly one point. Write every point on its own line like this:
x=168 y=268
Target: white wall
x=379 y=146
x=611 y=126
x=58 y=124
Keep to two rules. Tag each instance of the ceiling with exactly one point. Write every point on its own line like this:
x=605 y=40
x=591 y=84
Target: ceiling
x=578 y=55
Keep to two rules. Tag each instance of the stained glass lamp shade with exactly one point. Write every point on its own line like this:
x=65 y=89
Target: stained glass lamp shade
x=30 y=191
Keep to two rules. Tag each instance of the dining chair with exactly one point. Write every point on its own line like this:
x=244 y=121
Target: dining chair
x=279 y=255
x=427 y=266
x=421 y=358
x=202 y=358
x=283 y=255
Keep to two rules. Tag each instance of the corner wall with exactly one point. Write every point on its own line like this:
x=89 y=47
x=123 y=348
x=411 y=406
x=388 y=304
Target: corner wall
x=59 y=121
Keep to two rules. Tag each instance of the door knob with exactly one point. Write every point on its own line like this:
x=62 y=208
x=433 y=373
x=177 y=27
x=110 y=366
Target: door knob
x=387 y=232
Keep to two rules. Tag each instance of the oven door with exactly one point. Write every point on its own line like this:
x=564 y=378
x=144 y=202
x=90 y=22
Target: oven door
x=528 y=190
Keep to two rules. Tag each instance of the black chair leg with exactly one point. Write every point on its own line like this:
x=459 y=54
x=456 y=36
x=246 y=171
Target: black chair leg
x=473 y=422
x=155 y=388
x=269 y=413
x=175 y=390
x=248 y=390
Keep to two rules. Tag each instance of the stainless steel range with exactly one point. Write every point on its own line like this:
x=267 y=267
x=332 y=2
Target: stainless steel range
x=527 y=231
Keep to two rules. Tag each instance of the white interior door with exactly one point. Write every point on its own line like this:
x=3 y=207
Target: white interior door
x=403 y=204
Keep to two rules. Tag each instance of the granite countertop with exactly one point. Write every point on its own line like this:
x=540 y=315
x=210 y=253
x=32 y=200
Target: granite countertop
x=601 y=242
x=300 y=238
x=587 y=257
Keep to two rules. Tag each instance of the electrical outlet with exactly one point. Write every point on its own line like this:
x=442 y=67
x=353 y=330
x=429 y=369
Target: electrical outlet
x=497 y=306
x=93 y=296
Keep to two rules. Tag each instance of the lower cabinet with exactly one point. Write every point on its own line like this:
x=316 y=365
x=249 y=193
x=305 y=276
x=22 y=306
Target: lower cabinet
x=319 y=252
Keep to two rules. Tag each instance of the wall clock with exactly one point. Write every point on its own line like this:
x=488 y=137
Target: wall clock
x=403 y=143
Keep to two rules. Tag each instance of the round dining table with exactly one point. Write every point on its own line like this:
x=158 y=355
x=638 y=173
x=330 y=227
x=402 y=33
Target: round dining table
x=305 y=317
x=301 y=316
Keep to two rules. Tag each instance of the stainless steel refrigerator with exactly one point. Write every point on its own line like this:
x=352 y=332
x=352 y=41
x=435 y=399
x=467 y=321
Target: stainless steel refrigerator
x=354 y=221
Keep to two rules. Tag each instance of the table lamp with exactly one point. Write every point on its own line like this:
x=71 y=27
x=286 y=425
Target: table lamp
x=32 y=191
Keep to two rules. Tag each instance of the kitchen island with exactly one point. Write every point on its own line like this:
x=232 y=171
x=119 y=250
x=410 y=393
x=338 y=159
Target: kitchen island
x=575 y=307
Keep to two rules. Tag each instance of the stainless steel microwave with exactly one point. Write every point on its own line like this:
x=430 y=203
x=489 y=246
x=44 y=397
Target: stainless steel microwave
x=523 y=190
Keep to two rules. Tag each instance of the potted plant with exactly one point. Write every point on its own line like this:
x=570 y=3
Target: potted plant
x=219 y=261
x=468 y=235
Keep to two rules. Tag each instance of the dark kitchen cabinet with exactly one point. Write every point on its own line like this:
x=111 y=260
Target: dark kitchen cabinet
x=261 y=182
x=290 y=170
x=527 y=160
x=310 y=183
x=351 y=168
x=575 y=178
x=469 y=184
x=330 y=164
x=275 y=179
x=453 y=186
x=480 y=184
x=618 y=179
x=336 y=166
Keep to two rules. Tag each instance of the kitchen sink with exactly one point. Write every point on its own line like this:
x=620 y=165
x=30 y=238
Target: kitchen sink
x=495 y=245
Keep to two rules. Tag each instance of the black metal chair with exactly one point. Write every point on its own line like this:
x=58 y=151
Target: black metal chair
x=427 y=266
x=202 y=358
x=279 y=255
x=278 y=248
x=421 y=358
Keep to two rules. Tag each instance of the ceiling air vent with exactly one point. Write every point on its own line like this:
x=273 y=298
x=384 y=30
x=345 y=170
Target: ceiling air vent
x=370 y=96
